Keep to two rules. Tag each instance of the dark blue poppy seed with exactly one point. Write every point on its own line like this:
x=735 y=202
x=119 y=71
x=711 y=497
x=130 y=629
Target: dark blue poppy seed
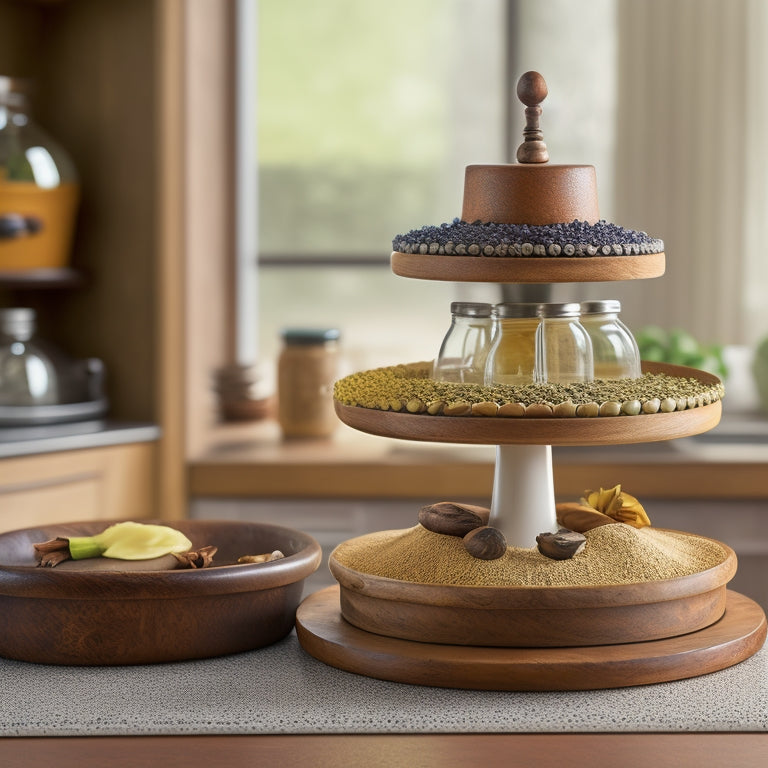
x=578 y=238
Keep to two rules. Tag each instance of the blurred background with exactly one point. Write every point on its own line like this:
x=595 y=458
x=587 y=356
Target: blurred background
x=242 y=166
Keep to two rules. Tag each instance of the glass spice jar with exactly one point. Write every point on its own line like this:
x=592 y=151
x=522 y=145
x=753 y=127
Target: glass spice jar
x=465 y=347
x=306 y=371
x=512 y=357
x=563 y=347
x=614 y=349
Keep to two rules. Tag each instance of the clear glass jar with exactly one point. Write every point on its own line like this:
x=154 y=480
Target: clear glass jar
x=563 y=347
x=39 y=190
x=465 y=347
x=513 y=353
x=27 y=373
x=614 y=348
x=306 y=371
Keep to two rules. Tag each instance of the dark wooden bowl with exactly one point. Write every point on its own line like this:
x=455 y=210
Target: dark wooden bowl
x=114 y=612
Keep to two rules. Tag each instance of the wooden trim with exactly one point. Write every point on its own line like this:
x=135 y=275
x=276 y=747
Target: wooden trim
x=491 y=750
x=170 y=317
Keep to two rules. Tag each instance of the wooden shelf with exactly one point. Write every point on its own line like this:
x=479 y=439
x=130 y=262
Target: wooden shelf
x=41 y=279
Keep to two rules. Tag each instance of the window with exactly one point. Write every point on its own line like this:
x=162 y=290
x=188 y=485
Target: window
x=367 y=114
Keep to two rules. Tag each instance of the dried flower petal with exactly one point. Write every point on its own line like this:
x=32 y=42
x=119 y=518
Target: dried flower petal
x=618 y=505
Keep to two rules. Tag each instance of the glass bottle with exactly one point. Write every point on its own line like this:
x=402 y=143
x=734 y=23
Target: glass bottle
x=306 y=371
x=614 y=349
x=39 y=191
x=465 y=347
x=513 y=353
x=563 y=347
x=27 y=373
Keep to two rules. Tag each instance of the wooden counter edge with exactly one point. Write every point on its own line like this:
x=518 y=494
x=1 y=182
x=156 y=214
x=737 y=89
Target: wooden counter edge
x=545 y=750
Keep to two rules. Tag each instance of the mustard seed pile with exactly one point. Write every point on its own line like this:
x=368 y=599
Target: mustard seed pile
x=578 y=238
x=614 y=554
x=409 y=388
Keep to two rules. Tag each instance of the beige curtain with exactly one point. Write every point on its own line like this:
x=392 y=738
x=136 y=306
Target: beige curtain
x=692 y=161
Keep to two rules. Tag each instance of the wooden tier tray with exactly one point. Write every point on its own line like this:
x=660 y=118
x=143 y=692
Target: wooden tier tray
x=324 y=634
x=500 y=430
x=521 y=269
x=536 y=616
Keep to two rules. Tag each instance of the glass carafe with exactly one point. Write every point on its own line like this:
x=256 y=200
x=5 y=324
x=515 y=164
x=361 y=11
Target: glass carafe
x=39 y=191
x=27 y=373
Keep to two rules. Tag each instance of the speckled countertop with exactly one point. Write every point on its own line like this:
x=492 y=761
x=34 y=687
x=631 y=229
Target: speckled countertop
x=282 y=690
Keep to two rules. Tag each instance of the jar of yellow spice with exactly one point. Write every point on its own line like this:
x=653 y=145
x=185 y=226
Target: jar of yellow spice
x=306 y=370
x=512 y=356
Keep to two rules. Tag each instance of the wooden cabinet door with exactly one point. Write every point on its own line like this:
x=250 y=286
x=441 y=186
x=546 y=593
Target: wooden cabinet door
x=97 y=483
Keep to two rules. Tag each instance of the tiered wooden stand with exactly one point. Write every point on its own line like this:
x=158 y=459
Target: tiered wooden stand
x=532 y=638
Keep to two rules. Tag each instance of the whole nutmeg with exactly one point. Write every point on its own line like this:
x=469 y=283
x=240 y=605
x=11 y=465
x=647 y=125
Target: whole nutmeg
x=453 y=519
x=562 y=545
x=485 y=543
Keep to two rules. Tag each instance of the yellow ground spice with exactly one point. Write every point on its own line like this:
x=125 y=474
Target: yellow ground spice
x=614 y=554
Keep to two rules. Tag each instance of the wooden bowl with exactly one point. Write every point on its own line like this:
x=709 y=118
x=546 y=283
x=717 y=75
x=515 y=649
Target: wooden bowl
x=533 y=616
x=79 y=613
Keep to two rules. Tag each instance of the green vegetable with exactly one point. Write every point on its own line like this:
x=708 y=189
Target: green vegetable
x=679 y=347
x=760 y=372
x=130 y=541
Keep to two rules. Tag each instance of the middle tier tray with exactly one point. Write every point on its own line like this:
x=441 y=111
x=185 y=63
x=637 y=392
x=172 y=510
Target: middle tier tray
x=498 y=430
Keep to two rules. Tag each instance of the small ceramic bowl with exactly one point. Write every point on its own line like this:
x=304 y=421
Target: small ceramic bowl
x=108 y=612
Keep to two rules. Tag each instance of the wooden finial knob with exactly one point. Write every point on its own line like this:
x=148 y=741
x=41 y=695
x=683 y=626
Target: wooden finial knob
x=532 y=90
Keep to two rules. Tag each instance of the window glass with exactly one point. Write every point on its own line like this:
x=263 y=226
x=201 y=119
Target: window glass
x=367 y=114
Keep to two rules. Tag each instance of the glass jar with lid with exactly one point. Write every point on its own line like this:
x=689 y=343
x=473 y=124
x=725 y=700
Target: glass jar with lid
x=614 y=349
x=563 y=347
x=464 y=350
x=39 y=190
x=513 y=352
x=306 y=371
x=28 y=376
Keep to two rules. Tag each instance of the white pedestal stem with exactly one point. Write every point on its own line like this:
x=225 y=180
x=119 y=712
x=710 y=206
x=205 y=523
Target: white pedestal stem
x=523 y=503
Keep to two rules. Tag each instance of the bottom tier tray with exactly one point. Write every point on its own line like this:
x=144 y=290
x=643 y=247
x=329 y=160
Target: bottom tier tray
x=532 y=616
x=324 y=634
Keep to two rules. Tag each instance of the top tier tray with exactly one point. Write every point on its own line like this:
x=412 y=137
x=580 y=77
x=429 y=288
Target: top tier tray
x=558 y=269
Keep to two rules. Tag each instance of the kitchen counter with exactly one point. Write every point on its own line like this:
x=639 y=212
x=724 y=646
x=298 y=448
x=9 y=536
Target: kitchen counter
x=282 y=690
x=252 y=460
x=280 y=706
x=78 y=435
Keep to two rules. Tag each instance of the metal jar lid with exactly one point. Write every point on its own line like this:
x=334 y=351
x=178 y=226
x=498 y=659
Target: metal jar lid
x=609 y=306
x=516 y=309
x=470 y=309
x=569 y=309
x=304 y=337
